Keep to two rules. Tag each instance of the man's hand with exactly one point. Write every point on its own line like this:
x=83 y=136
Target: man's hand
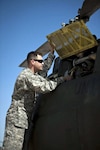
x=53 y=47
x=67 y=77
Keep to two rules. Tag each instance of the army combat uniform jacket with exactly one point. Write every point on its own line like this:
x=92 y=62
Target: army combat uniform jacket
x=23 y=96
x=19 y=113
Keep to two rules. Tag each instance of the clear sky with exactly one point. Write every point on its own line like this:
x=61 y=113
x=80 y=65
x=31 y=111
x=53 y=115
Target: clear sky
x=24 y=25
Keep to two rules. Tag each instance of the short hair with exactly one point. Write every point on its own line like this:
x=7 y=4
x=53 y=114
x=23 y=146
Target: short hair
x=32 y=55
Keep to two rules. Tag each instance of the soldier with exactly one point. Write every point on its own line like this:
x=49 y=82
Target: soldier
x=19 y=114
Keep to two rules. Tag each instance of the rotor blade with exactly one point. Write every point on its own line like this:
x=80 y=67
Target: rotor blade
x=89 y=7
x=44 y=49
x=23 y=64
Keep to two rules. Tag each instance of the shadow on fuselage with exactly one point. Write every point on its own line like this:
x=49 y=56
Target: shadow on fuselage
x=68 y=117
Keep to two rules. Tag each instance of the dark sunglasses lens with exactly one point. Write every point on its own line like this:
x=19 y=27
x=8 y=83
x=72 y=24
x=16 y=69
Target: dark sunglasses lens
x=40 y=61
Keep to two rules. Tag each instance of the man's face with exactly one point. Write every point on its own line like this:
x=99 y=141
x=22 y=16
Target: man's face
x=38 y=63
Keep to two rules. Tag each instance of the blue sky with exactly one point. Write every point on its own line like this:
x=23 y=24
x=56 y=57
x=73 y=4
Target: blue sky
x=24 y=25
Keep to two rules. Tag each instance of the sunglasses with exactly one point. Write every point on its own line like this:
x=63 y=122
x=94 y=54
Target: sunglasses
x=40 y=61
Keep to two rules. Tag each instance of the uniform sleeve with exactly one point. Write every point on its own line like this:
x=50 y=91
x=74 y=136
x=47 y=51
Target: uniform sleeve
x=47 y=64
x=49 y=60
x=40 y=84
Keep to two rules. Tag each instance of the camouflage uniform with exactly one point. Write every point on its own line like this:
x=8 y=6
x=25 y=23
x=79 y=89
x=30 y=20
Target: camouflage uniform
x=47 y=64
x=19 y=113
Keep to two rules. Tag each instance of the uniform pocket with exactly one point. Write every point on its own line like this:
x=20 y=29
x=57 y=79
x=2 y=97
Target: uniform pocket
x=21 y=118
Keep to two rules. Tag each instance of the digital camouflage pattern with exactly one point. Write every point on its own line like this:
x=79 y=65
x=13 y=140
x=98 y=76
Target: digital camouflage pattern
x=19 y=114
x=47 y=64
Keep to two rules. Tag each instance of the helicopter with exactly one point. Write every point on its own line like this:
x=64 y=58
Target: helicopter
x=68 y=117
x=84 y=14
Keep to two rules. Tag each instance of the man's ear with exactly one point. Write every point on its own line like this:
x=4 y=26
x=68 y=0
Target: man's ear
x=32 y=61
